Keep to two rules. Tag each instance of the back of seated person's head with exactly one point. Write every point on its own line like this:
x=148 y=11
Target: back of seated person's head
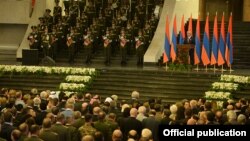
x=117 y=135
x=146 y=133
x=44 y=95
x=135 y=95
x=112 y=116
x=87 y=96
x=7 y=116
x=77 y=114
x=30 y=121
x=34 y=91
x=55 y=110
x=167 y=113
x=19 y=107
x=101 y=116
x=243 y=101
x=15 y=135
x=208 y=106
x=47 y=123
x=237 y=106
x=133 y=134
x=96 y=110
x=152 y=112
x=98 y=136
x=210 y=116
x=34 y=129
x=88 y=138
x=142 y=110
x=133 y=112
x=191 y=121
x=157 y=107
x=88 y=118
x=24 y=128
x=60 y=117
x=43 y=106
x=241 y=119
x=19 y=94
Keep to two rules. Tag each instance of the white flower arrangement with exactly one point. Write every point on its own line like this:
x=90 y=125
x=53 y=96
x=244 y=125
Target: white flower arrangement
x=77 y=79
x=225 y=86
x=47 y=70
x=235 y=78
x=218 y=95
x=72 y=87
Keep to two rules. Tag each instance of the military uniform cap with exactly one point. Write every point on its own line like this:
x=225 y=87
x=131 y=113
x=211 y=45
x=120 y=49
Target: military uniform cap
x=57 y=1
x=40 y=18
x=48 y=10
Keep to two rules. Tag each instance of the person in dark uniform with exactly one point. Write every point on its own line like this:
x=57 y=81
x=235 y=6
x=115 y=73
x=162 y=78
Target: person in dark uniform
x=57 y=12
x=130 y=36
x=33 y=38
x=54 y=43
x=82 y=4
x=71 y=38
x=139 y=46
x=46 y=40
x=66 y=4
x=48 y=19
x=107 y=47
x=88 y=45
x=123 y=47
x=73 y=13
x=190 y=40
x=61 y=35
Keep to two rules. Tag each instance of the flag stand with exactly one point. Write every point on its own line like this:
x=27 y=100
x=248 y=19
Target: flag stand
x=230 y=69
x=197 y=68
x=222 y=70
x=166 y=66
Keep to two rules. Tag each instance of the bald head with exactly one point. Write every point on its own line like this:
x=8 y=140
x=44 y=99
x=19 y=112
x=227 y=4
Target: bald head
x=88 y=138
x=133 y=112
x=146 y=133
x=132 y=134
x=117 y=135
x=191 y=121
x=96 y=110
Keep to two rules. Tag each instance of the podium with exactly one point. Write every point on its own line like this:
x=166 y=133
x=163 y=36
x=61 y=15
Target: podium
x=30 y=57
x=183 y=53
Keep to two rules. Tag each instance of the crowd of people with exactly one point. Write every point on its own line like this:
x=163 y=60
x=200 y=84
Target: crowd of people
x=48 y=116
x=117 y=26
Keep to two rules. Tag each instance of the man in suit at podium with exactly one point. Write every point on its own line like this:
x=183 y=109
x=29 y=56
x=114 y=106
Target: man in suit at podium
x=190 y=40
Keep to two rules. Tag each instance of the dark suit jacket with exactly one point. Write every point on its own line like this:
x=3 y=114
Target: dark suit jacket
x=62 y=131
x=33 y=138
x=130 y=123
x=6 y=131
x=48 y=135
x=152 y=125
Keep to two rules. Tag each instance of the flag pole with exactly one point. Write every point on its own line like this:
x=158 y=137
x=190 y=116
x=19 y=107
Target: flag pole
x=197 y=68
x=230 y=69
x=222 y=69
x=166 y=66
x=206 y=68
x=214 y=69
